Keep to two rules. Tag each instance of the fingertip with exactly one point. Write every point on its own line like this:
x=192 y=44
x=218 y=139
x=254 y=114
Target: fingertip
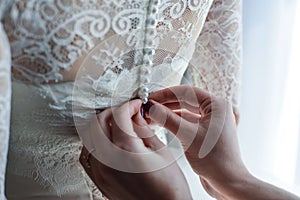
x=158 y=113
x=154 y=109
x=133 y=106
x=139 y=120
x=153 y=102
x=136 y=102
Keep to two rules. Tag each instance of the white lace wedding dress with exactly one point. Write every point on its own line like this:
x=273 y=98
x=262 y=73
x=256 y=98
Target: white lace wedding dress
x=50 y=45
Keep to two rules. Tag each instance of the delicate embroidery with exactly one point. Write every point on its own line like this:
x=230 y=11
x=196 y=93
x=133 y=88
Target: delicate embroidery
x=217 y=57
x=48 y=37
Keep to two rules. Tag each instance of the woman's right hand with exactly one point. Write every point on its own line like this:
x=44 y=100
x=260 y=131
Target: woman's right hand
x=208 y=133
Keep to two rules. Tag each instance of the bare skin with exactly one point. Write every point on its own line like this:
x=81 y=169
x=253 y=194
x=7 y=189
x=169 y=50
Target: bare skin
x=128 y=131
x=207 y=131
x=222 y=171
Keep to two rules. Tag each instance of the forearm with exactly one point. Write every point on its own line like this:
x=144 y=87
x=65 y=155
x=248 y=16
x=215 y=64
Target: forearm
x=255 y=189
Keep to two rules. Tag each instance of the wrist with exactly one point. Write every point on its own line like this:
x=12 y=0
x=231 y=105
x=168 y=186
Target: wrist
x=229 y=185
x=232 y=185
x=241 y=187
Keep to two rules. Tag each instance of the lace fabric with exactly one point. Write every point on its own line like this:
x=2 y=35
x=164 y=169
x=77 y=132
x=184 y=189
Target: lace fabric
x=216 y=63
x=54 y=40
x=5 y=95
x=49 y=37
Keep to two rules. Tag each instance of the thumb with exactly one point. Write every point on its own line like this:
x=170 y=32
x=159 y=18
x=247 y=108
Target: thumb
x=184 y=130
x=143 y=131
x=166 y=117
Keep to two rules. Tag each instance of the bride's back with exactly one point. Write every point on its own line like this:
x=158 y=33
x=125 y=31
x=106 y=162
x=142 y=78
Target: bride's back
x=87 y=53
x=50 y=39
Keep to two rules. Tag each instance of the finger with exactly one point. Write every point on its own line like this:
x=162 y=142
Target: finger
x=182 y=105
x=123 y=134
x=154 y=143
x=101 y=145
x=96 y=126
x=141 y=127
x=104 y=119
x=184 y=130
x=167 y=118
x=191 y=95
x=146 y=133
x=189 y=116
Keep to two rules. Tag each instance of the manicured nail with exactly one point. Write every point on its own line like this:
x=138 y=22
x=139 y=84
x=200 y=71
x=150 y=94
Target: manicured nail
x=145 y=109
x=142 y=112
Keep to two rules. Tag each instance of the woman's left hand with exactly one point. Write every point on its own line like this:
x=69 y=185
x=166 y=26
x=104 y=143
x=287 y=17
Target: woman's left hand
x=128 y=161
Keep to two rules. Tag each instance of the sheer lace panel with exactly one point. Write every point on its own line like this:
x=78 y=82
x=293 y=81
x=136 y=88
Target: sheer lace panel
x=49 y=36
x=216 y=62
x=5 y=95
x=5 y=6
x=51 y=39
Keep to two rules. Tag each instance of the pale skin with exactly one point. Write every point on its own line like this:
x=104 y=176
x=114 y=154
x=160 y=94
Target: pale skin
x=119 y=185
x=221 y=169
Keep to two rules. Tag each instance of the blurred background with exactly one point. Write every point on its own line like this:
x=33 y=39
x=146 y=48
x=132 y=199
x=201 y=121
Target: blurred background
x=269 y=129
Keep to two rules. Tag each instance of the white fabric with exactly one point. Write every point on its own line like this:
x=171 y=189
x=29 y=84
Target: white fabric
x=5 y=95
x=217 y=57
x=99 y=41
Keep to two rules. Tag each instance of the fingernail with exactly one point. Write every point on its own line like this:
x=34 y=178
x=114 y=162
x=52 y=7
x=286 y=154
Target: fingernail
x=145 y=109
x=147 y=106
x=142 y=112
x=156 y=115
x=141 y=120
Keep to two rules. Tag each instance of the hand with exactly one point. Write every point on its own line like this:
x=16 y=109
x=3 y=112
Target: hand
x=125 y=162
x=208 y=133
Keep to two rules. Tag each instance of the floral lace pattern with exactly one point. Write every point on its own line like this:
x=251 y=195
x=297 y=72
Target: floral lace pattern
x=5 y=95
x=47 y=37
x=217 y=60
x=50 y=39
